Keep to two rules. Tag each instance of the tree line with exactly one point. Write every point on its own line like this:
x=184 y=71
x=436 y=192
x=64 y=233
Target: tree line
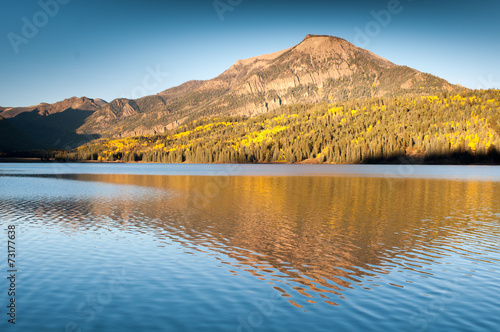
x=357 y=131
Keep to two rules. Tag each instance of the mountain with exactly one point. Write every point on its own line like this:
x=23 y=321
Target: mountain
x=12 y=139
x=47 y=126
x=319 y=69
x=44 y=109
x=453 y=127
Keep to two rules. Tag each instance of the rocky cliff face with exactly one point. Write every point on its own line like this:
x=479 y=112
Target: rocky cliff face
x=320 y=68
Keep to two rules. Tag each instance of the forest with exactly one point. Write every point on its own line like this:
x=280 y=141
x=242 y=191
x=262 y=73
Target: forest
x=461 y=128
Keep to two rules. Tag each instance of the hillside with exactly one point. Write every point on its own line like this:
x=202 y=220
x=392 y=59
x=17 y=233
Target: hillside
x=459 y=127
x=12 y=139
x=44 y=109
x=319 y=69
x=47 y=126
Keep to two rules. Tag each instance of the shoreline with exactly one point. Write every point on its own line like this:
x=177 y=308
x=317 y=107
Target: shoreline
x=404 y=161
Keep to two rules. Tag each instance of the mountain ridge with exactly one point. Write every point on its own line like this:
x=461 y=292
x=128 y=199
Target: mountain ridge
x=319 y=68
x=47 y=126
x=83 y=103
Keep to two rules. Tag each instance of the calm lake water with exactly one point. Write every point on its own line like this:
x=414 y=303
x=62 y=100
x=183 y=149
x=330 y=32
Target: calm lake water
x=138 y=247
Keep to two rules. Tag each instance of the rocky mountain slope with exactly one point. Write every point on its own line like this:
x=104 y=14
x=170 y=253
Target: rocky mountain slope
x=320 y=68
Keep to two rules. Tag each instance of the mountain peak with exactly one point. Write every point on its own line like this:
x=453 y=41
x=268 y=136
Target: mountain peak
x=322 y=43
x=322 y=36
x=320 y=68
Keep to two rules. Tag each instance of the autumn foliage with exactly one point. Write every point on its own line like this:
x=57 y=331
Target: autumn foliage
x=344 y=132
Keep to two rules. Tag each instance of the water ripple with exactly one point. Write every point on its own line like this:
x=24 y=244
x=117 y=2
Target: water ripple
x=341 y=247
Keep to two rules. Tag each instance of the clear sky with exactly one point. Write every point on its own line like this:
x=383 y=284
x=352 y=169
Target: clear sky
x=55 y=49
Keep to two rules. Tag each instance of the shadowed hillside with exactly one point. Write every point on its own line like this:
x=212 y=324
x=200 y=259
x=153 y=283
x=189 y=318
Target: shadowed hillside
x=82 y=103
x=12 y=139
x=47 y=126
x=55 y=131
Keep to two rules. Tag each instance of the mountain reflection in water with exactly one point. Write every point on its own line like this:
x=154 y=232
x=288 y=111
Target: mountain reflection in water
x=314 y=238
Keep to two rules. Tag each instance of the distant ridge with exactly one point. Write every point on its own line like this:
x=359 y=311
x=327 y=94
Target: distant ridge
x=47 y=126
x=82 y=103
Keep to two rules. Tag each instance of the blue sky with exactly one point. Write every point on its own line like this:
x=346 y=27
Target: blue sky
x=109 y=48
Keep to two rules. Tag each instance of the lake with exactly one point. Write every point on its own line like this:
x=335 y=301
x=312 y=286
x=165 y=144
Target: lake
x=152 y=247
